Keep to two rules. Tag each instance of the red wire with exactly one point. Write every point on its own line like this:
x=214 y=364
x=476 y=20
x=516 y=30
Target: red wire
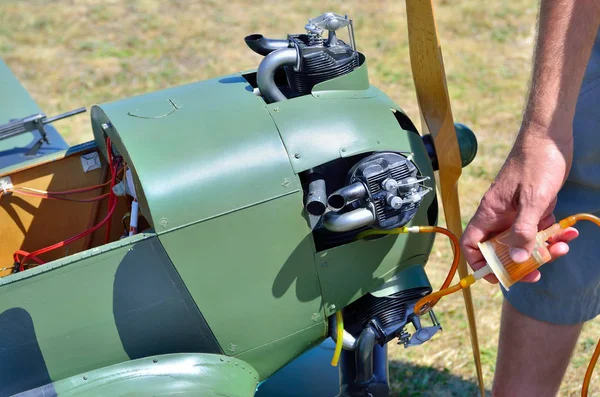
x=111 y=197
x=79 y=190
x=112 y=205
x=24 y=253
x=70 y=240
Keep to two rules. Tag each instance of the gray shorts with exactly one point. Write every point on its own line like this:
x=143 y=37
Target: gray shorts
x=569 y=289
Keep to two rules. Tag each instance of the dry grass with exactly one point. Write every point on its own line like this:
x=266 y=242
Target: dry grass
x=79 y=53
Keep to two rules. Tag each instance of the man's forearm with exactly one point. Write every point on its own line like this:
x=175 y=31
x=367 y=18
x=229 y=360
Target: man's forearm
x=566 y=35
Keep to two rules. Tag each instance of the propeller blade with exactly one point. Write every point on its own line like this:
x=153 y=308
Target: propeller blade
x=432 y=95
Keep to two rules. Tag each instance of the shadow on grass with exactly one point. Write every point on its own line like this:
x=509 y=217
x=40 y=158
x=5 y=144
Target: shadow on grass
x=407 y=379
x=311 y=375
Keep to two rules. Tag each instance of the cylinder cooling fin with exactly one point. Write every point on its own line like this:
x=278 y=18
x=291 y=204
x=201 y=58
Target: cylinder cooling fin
x=307 y=59
x=383 y=190
x=393 y=188
x=319 y=61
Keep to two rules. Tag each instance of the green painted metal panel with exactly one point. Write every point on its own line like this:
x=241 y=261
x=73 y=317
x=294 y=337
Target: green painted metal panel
x=198 y=150
x=252 y=285
x=166 y=375
x=269 y=358
x=48 y=158
x=15 y=101
x=315 y=131
x=343 y=280
x=71 y=308
x=352 y=85
x=373 y=264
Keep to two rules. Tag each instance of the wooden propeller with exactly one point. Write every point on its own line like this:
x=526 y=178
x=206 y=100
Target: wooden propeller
x=432 y=95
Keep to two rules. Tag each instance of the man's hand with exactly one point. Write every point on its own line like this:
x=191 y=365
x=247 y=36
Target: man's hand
x=523 y=195
x=522 y=198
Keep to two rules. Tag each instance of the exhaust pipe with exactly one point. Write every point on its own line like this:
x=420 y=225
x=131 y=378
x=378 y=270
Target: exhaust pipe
x=344 y=196
x=265 y=76
x=364 y=356
x=352 y=220
x=349 y=342
x=316 y=201
x=263 y=46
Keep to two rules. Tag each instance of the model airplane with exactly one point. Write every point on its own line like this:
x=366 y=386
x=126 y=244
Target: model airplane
x=208 y=235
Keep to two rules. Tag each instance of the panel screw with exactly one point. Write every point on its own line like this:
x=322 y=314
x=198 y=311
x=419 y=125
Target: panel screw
x=286 y=182
x=297 y=155
x=85 y=378
x=324 y=264
x=343 y=149
x=332 y=307
x=155 y=361
x=276 y=109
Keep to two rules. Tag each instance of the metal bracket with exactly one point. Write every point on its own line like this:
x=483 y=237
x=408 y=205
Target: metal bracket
x=44 y=138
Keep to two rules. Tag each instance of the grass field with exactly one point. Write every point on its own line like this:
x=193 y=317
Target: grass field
x=79 y=53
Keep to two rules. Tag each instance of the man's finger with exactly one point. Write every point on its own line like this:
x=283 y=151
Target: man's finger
x=523 y=232
x=558 y=249
x=547 y=221
x=565 y=236
x=532 y=277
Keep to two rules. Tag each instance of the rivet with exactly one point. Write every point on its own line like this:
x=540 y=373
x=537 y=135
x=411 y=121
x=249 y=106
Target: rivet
x=332 y=307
